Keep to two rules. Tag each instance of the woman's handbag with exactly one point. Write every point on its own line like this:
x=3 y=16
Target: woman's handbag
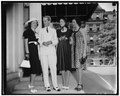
x=25 y=64
x=83 y=60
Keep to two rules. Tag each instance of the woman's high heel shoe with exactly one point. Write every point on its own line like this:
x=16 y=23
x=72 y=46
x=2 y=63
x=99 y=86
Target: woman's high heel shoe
x=33 y=90
x=79 y=87
x=29 y=86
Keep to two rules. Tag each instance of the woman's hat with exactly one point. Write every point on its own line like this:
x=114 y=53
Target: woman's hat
x=32 y=19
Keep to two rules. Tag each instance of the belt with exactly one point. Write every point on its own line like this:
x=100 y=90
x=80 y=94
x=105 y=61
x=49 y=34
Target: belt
x=34 y=42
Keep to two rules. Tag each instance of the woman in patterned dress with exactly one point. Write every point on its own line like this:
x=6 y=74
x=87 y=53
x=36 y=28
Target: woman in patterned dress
x=78 y=50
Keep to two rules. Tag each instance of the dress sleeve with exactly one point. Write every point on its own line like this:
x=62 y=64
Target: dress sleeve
x=58 y=33
x=70 y=32
x=26 y=34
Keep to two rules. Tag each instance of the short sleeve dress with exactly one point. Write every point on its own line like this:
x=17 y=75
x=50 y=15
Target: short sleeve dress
x=63 y=51
x=33 y=52
x=77 y=48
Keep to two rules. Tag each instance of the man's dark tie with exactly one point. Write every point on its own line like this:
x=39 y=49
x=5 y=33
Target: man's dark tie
x=47 y=29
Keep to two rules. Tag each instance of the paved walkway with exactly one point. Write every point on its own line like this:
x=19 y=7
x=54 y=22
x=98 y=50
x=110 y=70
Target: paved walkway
x=103 y=70
x=93 y=83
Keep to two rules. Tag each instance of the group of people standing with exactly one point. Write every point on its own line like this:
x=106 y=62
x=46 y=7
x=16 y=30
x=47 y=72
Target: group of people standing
x=59 y=50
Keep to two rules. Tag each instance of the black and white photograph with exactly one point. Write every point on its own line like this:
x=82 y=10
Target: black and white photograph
x=59 y=47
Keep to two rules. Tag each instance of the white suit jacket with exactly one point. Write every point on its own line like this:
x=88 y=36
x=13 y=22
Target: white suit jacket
x=50 y=36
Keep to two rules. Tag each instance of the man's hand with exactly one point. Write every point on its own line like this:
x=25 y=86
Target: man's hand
x=47 y=43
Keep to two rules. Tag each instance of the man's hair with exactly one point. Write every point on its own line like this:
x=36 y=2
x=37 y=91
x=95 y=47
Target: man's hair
x=48 y=17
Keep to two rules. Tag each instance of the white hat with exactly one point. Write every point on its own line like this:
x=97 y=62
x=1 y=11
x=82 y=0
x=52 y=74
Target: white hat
x=32 y=19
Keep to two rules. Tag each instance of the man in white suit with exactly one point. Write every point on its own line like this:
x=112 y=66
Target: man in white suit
x=48 y=40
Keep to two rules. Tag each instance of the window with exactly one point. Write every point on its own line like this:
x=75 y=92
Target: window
x=97 y=15
x=90 y=25
x=90 y=29
x=98 y=29
x=97 y=18
x=72 y=9
x=92 y=51
x=60 y=10
x=91 y=40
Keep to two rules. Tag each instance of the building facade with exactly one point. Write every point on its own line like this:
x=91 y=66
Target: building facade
x=94 y=26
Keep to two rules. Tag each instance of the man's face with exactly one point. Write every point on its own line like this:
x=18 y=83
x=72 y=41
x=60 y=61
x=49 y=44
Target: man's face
x=46 y=22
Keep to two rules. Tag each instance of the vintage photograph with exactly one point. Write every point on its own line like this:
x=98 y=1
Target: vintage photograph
x=59 y=47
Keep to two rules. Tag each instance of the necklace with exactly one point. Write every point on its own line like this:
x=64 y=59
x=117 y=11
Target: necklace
x=64 y=29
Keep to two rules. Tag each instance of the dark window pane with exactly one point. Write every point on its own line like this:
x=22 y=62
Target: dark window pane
x=43 y=11
x=91 y=41
x=50 y=10
x=90 y=29
x=60 y=10
x=98 y=29
x=91 y=52
x=81 y=9
x=71 y=10
x=97 y=18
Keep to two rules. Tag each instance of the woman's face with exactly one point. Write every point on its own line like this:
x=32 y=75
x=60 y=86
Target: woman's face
x=34 y=24
x=62 y=23
x=74 y=23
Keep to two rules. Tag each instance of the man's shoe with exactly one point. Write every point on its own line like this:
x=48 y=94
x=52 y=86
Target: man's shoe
x=48 y=89
x=56 y=89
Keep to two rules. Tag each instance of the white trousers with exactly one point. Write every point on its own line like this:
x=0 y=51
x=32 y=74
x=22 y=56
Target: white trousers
x=49 y=61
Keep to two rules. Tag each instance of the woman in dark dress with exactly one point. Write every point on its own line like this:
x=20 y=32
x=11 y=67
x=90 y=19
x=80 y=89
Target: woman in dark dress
x=31 y=51
x=64 y=53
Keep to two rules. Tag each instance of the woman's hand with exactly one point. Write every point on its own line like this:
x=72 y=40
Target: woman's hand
x=84 y=54
x=27 y=56
x=71 y=40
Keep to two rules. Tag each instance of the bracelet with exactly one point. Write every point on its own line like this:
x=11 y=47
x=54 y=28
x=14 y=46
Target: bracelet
x=26 y=53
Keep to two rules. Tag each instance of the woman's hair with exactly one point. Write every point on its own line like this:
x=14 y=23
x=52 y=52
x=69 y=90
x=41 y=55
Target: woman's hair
x=65 y=20
x=78 y=21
